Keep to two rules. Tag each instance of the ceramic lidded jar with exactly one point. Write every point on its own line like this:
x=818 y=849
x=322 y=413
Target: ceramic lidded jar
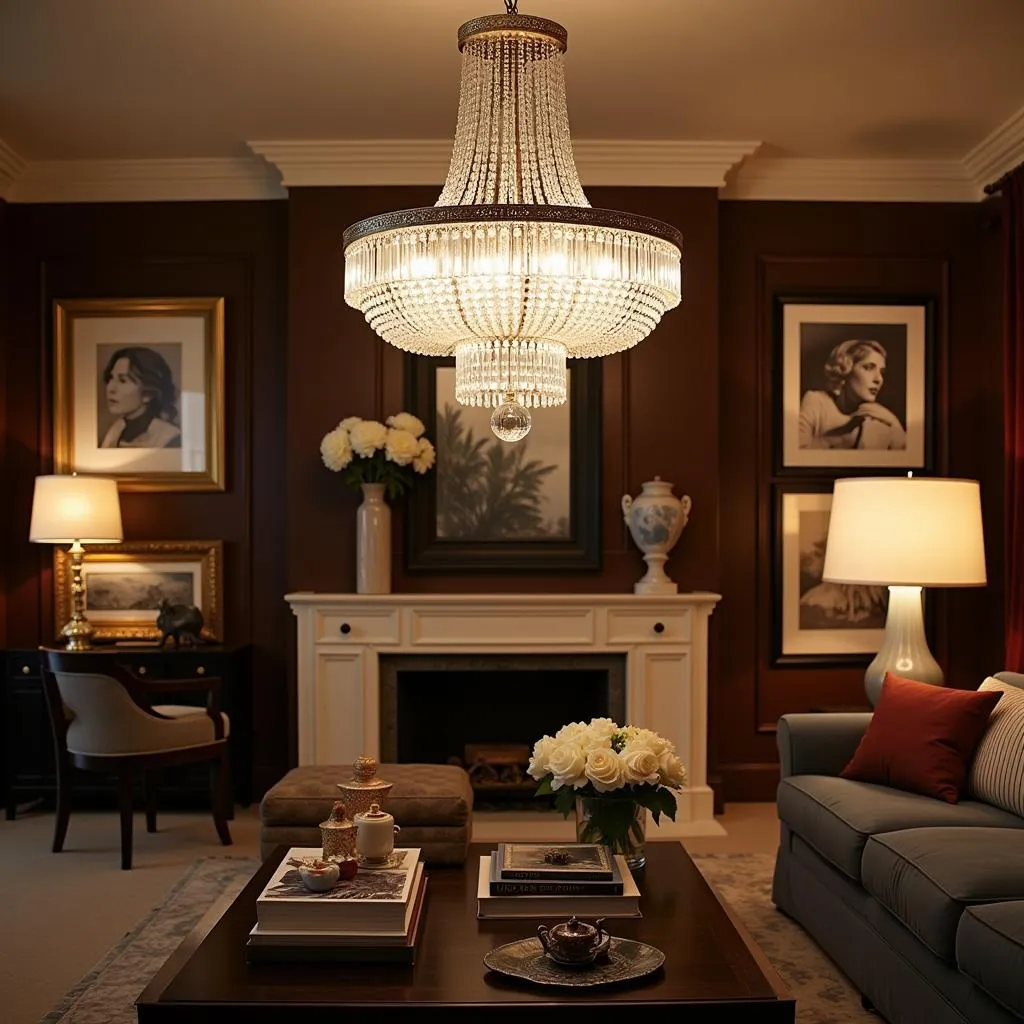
x=338 y=833
x=364 y=788
x=375 y=835
x=655 y=518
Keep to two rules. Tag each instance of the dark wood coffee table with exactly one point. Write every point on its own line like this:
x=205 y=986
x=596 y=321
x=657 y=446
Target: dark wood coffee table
x=712 y=968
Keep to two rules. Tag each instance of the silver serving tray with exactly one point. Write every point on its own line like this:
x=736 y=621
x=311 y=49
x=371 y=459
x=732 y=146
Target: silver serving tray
x=527 y=960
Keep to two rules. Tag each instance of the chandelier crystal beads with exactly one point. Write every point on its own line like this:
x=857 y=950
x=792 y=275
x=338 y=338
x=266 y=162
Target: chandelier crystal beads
x=512 y=270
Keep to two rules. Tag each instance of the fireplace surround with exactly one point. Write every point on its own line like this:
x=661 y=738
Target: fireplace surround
x=662 y=641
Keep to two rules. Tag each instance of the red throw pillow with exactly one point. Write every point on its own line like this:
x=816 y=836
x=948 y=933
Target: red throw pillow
x=922 y=738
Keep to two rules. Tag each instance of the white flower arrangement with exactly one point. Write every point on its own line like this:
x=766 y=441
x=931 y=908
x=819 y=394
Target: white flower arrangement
x=600 y=758
x=388 y=453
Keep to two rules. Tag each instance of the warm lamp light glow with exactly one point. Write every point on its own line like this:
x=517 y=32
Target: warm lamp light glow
x=905 y=533
x=66 y=509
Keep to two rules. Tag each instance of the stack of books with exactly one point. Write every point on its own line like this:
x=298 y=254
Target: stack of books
x=555 y=879
x=373 y=918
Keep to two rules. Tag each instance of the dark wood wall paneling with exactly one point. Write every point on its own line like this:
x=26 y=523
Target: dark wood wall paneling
x=659 y=401
x=235 y=250
x=692 y=404
x=5 y=342
x=948 y=252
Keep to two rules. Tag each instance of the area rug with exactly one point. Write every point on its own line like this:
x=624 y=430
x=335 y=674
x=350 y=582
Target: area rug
x=107 y=994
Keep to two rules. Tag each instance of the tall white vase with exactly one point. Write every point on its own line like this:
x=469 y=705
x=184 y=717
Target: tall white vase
x=655 y=519
x=373 y=542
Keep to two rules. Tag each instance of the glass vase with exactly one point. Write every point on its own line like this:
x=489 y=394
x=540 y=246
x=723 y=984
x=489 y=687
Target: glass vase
x=616 y=822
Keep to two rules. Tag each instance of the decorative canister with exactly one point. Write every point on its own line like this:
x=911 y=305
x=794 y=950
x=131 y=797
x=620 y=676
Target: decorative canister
x=338 y=833
x=364 y=788
x=375 y=836
x=655 y=519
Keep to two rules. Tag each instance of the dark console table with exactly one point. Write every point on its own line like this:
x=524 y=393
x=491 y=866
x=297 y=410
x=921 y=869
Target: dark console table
x=29 y=776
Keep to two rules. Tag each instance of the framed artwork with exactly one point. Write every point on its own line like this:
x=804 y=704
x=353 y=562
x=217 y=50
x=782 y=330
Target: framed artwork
x=139 y=391
x=125 y=583
x=855 y=382
x=492 y=506
x=817 y=620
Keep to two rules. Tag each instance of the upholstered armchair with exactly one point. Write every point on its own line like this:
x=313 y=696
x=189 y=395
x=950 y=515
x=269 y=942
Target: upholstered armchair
x=106 y=719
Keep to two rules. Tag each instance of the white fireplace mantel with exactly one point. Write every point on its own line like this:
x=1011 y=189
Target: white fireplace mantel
x=664 y=638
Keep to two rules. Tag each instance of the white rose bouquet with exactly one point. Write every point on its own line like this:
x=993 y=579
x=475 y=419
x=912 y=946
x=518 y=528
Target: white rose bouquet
x=369 y=452
x=606 y=771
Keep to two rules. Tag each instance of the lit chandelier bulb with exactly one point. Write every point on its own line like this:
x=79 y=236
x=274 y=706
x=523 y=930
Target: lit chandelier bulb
x=511 y=421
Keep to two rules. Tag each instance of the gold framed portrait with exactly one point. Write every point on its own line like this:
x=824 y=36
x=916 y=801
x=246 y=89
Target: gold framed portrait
x=125 y=583
x=139 y=392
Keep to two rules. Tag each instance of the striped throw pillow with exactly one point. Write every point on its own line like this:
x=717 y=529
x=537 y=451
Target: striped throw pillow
x=997 y=773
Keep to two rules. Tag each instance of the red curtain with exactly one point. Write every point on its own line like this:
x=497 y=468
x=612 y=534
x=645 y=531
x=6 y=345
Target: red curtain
x=1012 y=190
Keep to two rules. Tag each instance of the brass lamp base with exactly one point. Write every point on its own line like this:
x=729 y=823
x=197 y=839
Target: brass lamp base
x=78 y=635
x=78 y=630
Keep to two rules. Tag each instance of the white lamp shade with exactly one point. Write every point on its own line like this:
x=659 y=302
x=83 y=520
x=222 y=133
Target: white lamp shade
x=69 y=508
x=906 y=531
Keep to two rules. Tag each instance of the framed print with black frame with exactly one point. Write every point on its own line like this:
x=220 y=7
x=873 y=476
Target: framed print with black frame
x=124 y=584
x=493 y=506
x=854 y=383
x=139 y=392
x=814 y=621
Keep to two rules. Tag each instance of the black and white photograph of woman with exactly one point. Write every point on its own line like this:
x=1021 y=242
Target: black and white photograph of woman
x=842 y=404
x=137 y=403
x=854 y=385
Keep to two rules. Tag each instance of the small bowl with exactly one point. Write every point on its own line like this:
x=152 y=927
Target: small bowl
x=320 y=876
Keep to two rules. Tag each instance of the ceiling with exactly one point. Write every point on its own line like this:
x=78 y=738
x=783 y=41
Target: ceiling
x=836 y=81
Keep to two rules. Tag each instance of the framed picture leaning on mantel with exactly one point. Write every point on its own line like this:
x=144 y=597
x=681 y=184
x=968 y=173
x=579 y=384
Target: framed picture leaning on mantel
x=492 y=506
x=125 y=583
x=855 y=384
x=139 y=391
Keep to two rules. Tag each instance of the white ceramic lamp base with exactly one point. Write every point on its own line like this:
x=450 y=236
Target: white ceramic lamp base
x=904 y=650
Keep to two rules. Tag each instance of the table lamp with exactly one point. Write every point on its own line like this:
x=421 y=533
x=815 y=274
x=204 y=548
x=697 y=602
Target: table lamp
x=905 y=533
x=76 y=510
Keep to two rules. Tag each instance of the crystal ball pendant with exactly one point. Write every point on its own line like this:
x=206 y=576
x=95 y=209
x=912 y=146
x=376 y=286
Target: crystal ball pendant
x=511 y=421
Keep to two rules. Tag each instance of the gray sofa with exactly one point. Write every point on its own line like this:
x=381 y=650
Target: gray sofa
x=919 y=902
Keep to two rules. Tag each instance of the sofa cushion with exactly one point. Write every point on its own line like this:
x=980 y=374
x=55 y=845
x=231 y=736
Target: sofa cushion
x=925 y=877
x=997 y=772
x=836 y=816
x=922 y=738
x=990 y=951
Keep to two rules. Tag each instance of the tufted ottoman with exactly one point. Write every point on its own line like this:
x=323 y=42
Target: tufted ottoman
x=432 y=803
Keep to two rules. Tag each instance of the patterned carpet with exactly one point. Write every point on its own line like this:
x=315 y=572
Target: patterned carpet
x=106 y=995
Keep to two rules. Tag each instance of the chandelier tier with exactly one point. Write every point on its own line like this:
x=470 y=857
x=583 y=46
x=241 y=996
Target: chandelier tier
x=512 y=270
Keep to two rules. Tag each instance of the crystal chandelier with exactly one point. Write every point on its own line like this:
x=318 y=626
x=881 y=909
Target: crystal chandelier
x=512 y=270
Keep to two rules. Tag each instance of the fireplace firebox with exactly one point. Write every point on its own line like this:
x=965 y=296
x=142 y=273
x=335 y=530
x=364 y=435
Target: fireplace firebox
x=485 y=712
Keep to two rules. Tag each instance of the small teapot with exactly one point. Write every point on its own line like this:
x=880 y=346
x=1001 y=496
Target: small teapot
x=575 y=941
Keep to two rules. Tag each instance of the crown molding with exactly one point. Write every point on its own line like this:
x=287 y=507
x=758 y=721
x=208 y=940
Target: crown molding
x=890 y=181
x=11 y=167
x=425 y=161
x=998 y=153
x=127 y=181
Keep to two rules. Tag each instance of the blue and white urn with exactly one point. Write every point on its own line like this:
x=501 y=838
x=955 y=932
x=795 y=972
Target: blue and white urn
x=655 y=519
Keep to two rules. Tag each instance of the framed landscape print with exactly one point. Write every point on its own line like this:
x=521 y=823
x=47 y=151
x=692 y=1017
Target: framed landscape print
x=490 y=505
x=817 y=620
x=139 y=391
x=125 y=583
x=854 y=384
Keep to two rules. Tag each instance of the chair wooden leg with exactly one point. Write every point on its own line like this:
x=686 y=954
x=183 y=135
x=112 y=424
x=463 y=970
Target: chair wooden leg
x=149 y=795
x=60 y=825
x=220 y=794
x=126 y=792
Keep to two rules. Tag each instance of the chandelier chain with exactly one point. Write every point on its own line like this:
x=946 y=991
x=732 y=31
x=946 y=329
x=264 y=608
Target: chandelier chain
x=511 y=6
